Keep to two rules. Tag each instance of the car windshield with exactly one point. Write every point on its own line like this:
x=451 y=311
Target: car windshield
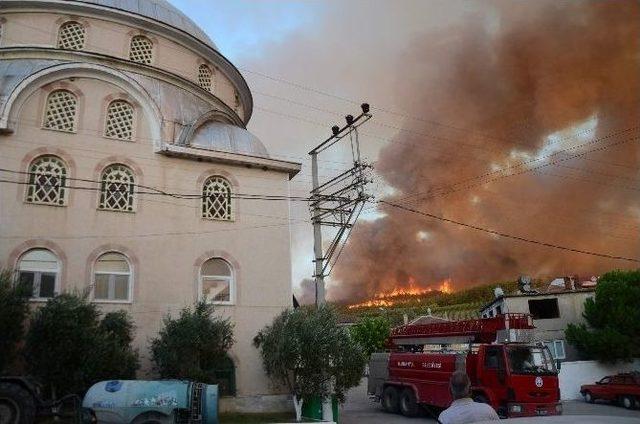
x=531 y=360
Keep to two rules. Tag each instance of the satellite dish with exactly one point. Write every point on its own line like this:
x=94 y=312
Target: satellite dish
x=498 y=292
x=524 y=282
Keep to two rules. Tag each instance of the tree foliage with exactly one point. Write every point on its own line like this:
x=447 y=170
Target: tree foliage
x=307 y=351
x=192 y=346
x=69 y=348
x=613 y=317
x=371 y=333
x=14 y=309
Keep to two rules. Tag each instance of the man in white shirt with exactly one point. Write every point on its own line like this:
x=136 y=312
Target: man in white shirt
x=463 y=410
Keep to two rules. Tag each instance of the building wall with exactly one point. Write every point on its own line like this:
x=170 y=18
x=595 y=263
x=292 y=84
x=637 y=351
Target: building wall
x=165 y=239
x=570 y=306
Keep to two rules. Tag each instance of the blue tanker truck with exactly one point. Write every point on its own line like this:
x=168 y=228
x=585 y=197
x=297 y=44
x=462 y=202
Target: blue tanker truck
x=114 y=402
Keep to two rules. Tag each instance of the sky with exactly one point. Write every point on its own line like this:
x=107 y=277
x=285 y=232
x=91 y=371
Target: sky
x=460 y=91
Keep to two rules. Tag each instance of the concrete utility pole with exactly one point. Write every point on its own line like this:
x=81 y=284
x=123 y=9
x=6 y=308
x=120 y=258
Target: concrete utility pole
x=336 y=203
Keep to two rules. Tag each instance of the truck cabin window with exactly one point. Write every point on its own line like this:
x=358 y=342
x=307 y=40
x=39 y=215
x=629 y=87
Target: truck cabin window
x=530 y=360
x=544 y=308
x=493 y=358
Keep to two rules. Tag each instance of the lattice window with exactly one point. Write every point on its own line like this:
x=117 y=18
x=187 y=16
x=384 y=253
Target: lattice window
x=216 y=199
x=47 y=181
x=71 y=36
x=205 y=77
x=60 y=113
x=117 y=187
x=141 y=50
x=119 y=120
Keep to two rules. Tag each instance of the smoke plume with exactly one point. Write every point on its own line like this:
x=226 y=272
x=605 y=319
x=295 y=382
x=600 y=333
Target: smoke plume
x=524 y=82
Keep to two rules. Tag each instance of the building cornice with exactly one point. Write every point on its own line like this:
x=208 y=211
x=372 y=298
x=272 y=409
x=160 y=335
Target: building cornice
x=291 y=168
x=146 y=24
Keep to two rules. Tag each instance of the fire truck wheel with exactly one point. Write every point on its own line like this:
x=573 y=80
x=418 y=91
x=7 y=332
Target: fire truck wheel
x=627 y=401
x=390 y=400
x=16 y=405
x=588 y=397
x=408 y=404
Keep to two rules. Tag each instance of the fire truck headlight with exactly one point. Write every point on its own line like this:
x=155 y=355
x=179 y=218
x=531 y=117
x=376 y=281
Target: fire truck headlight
x=516 y=408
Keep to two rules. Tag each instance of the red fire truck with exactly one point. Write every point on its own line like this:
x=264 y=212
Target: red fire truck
x=507 y=371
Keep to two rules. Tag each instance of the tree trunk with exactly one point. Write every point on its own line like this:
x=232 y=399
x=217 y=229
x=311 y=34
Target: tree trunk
x=297 y=404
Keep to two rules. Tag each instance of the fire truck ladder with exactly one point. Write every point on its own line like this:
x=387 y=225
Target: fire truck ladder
x=481 y=330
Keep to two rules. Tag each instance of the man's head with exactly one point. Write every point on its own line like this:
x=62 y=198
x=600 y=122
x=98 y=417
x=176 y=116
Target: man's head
x=459 y=385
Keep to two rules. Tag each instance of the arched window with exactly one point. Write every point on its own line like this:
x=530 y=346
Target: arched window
x=60 y=113
x=112 y=278
x=119 y=123
x=205 y=77
x=216 y=199
x=117 y=186
x=71 y=36
x=216 y=282
x=39 y=269
x=141 y=50
x=47 y=181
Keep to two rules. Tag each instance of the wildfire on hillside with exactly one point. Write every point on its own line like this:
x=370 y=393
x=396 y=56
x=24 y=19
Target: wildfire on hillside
x=398 y=294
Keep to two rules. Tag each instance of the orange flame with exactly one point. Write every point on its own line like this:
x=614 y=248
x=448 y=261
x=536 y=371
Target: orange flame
x=390 y=298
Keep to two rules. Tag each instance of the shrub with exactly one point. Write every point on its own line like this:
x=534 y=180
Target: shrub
x=193 y=345
x=68 y=348
x=14 y=310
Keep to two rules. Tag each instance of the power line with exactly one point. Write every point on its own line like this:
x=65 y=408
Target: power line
x=510 y=236
x=153 y=190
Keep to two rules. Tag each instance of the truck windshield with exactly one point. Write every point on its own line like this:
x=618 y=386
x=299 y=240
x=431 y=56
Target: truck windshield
x=531 y=360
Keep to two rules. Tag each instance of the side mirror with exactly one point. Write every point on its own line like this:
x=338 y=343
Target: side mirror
x=558 y=365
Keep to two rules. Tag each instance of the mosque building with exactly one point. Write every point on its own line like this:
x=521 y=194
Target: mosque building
x=128 y=174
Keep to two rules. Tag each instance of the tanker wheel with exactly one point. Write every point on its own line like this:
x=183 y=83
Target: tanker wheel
x=408 y=403
x=16 y=405
x=390 y=400
x=627 y=401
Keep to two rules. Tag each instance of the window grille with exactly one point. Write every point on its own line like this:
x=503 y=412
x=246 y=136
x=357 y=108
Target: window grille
x=119 y=120
x=216 y=282
x=47 y=181
x=205 y=77
x=141 y=50
x=71 y=36
x=112 y=278
x=60 y=113
x=216 y=199
x=117 y=187
x=38 y=272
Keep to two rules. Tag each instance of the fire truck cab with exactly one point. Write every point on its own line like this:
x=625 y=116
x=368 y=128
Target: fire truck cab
x=516 y=377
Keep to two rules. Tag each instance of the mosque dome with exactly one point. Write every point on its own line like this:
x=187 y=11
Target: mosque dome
x=158 y=10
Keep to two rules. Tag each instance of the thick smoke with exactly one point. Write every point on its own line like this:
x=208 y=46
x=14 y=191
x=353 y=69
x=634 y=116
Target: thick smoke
x=526 y=81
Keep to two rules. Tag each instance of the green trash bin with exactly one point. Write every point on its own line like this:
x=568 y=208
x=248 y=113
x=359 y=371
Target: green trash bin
x=312 y=408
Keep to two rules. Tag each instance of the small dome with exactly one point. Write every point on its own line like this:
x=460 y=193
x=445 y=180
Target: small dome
x=227 y=138
x=159 y=10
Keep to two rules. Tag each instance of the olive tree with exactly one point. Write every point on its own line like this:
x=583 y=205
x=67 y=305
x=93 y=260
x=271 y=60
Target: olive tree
x=305 y=350
x=192 y=345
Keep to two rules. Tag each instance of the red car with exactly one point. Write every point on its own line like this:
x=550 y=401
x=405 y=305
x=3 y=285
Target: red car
x=623 y=389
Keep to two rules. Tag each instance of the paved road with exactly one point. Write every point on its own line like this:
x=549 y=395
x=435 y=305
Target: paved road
x=358 y=409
